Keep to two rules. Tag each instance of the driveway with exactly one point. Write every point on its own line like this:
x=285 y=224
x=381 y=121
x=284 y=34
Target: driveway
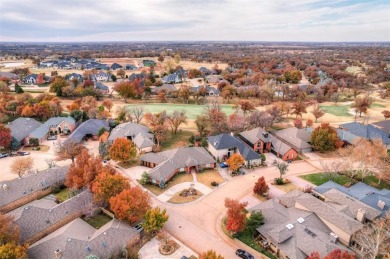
x=136 y=172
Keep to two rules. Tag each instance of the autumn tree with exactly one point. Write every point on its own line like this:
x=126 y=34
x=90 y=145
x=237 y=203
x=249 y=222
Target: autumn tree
x=309 y=123
x=22 y=165
x=202 y=123
x=245 y=106
x=136 y=114
x=339 y=254
x=126 y=90
x=184 y=93
x=298 y=108
x=40 y=79
x=121 y=73
x=131 y=204
x=160 y=58
x=386 y=114
x=237 y=122
x=176 y=119
x=255 y=220
x=260 y=187
x=57 y=84
x=275 y=112
x=107 y=104
x=154 y=220
x=5 y=137
x=236 y=215
x=324 y=138
x=69 y=150
x=13 y=251
x=107 y=185
x=122 y=150
x=362 y=104
x=259 y=119
x=210 y=254
x=298 y=123
x=317 y=112
x=228 y=92
x=235 y=161
x=9 y=231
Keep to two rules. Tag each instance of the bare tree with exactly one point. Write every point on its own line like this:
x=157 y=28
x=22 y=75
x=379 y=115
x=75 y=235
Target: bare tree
x=22 y=165
x=137 y=113
x=176 y=119
x=69 y=150
x=317 y=112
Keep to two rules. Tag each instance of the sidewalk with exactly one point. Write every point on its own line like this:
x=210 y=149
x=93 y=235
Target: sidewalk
x=298 y=181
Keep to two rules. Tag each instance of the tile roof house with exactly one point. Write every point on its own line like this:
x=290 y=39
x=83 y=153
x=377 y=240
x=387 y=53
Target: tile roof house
x=167 y=163
x=373 y=197
x=22 y=127
x=369 y=132
x=295 y=233
x=36 y=217
x=53 y=126
x=224 y=145
x=88 y=128
x=296 y=138
x=139 y=134
x=258 y=139
x=78 y=239
x=29 y=186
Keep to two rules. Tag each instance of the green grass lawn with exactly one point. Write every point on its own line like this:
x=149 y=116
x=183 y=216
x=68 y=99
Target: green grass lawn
x=246 y=238
x=178 y=178
x=180 y=140
x=192 y=110
x=98 y=221
x=337 y=110
x=63 y=194
x=377 y=105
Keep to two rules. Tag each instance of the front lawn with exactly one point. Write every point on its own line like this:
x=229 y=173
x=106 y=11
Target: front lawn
x=337 y=110
x=177 y=199
x=287 y=187
x=98 y=220
x=178 y=178
x=63 y=194
x=209 y=176
x=180 y=140
x=321 y=178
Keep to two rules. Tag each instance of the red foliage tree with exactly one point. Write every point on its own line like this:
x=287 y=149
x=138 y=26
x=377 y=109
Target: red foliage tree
x=41 y=79
x=298 y=123
x=236 y=215
x=131 y=204
x=5 y=136
x=260 y=187
x=335 y=254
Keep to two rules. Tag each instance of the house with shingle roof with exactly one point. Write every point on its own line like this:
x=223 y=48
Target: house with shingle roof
x=76 y=76
x=294 y=232
x=168 y=163
x=296 y=138
x=89 y=128
x=116 y=66
x=139 y=134
x=78 y=239
x=165 y=87
x=210 y=91
x=30 y=79
x=258 y=139
x=9 y=75
x=282 y=150
x=224 y=145
x=101 y=86
x=172 y=79
x=383 y=125
x=101 y=76
x=29 y=187
x=369 y=132
x=373 y=197
x=53 y=126
x=21 y=128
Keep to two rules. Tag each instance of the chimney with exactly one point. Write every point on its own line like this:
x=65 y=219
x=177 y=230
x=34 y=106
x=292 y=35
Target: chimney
x=381 y=204
x=360 y=216
x=333 y=237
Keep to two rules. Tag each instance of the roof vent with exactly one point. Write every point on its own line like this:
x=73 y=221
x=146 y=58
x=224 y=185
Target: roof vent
x=88 y=249
x=333 y=237
x=300 y=220
x=69 y=239
x=381 y=204
x=289 y=226
x=5 y=187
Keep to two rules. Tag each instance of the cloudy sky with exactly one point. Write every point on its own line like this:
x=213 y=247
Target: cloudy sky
x=193 y=20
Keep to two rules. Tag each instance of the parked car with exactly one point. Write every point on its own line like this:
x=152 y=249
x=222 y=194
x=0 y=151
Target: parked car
x=23 y=153
x=244 y=254
x=54 y=137
x=223 y=165
x=3 y=155
x=138 y=227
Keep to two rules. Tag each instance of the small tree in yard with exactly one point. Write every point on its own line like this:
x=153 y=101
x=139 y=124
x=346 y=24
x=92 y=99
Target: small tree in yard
x=211 y=254
x=21 y=165
x=235 y=161
x=236 y=215
x=131 y=204
x=386 y=114
x=122 y=150
x=260 y=187
x=145 y=178
x=155 y=220
x=34 y=142
x=282 y=167
x=317 y=112
x=69 y=150
x=255 y=220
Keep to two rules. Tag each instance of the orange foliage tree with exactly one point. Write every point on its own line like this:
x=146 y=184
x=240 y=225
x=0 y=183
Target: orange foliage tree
x=5 y=137
x=9 y=231
x=235 y=161
x=260 y=187
x=335 y=254
x=131 y=204
x=236 y=215
x=107 y=185
x=122 y=150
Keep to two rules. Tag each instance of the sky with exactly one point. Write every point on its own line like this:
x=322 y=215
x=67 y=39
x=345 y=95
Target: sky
x=194 y=20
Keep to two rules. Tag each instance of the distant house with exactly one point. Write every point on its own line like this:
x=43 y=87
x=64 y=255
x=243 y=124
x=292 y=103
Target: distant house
x=205 y=71
x=21 y=128
x=101 y=76
x=165 y=87
x=102 y=87
x=140 y=77
x=168 y=163
x=210 y=91
x=305 y=225
x=224 y=145
x=87 y=129
x=373 y=197
x=282 y=150
x=369 y=132
x=130 y=67
x=9 y=75
x=296 y=138
x=383 y=125
x=258 y=139
x=139 y=134
x=213 y=79
x=76 y=76
x=78 y=239
x=172 y=79
x=116 y=66
x=18 y=192
x=30 y=79
x=148 y=63
x=53 y=126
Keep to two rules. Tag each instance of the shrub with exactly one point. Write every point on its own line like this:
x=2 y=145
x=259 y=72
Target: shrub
x=279 y=181
x=145 y=178
x=214 y=183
